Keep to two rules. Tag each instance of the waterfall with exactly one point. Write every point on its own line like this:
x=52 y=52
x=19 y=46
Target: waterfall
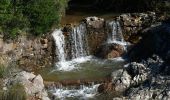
x=78 y=41
x=115 y=33
x=78 y=46
x=60 y=44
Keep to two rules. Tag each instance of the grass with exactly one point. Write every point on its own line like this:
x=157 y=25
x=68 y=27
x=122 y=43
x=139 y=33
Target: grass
x=15 y=92
x=2 y=70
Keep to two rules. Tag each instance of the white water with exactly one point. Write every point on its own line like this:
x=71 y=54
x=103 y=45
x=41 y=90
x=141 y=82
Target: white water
x=79 y=47
x=72 y=64
x=78 y=41
x=116 y=34
x=60 y=44
x=83 y=93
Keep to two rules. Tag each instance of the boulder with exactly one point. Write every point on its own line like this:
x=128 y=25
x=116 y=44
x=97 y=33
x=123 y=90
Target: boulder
x=138 y=71
x=34 y=86
x=109 y=51
x=121 y=80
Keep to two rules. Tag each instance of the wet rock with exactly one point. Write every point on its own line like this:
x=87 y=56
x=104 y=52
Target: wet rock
x=109 y=51
x=96 y=34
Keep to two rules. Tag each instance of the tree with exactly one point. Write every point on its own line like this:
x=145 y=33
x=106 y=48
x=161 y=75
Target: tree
x=43 y=14
x=35 y=16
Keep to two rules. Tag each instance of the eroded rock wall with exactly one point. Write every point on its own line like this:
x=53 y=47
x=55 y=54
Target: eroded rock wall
x=29 y=53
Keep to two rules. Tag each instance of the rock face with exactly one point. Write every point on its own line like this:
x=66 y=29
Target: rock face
x=95 y=33
x=98 y=32
x=32 y=53
x=155 y=41
x=109 y=51
x=134 y=23
x=34 y=86
x=148 y=78
x=140 y=81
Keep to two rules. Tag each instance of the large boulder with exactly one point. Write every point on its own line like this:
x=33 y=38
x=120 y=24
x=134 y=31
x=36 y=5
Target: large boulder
x=34 y=86
x=121 y=80
x=109 y=51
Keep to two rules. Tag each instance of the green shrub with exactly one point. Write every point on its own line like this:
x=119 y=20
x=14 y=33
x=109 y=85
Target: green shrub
x=34 y=16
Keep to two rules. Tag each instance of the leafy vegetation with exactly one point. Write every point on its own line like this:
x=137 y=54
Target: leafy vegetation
x=35 y=16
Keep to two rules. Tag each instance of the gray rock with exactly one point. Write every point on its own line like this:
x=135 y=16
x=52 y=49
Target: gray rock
x=33 y=84
x=138 y=72
x=121 y=79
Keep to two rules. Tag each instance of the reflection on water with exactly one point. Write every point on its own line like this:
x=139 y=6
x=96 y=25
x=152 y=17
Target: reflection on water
x=77 y=16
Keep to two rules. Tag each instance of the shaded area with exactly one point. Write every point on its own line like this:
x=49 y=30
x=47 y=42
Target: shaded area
x=114 y=5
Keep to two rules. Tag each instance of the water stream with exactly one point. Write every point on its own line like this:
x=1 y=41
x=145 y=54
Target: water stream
x=81 y=68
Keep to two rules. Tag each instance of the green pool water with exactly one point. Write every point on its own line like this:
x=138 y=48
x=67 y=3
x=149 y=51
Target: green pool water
x=90 y=70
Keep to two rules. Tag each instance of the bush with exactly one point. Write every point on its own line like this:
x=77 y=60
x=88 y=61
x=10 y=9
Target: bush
x=35 y=16
x=43 y=14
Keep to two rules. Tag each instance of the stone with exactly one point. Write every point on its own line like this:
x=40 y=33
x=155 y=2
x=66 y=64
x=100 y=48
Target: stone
x=109 y=51
x=121 y=80
x=33 y=84
x=94 y=22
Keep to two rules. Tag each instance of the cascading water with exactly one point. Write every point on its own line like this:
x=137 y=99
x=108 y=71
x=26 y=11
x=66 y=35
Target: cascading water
x=82 y=93
x=115 y=34
x=60 y=44
x=79 y=47
x=78 y=41
x=72 y=50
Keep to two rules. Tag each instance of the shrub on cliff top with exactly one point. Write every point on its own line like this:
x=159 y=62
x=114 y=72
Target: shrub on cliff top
x=35 y=16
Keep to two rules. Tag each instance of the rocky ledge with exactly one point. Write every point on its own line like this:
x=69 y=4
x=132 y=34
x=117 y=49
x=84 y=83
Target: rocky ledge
x=33 y=85
x=146 y=77
x=30 y=52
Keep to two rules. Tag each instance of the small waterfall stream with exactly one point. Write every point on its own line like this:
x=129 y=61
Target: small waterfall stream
x=78 y=41
x=78 y=53
x=116 y=34
x=60 y=44
x=79 y=48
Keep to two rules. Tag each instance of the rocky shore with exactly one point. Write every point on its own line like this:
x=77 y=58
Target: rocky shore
x=147 y=75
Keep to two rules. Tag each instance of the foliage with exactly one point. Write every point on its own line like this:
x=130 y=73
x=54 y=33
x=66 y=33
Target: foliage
x=43 y=14
x=35 y=16
x=16 y=92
